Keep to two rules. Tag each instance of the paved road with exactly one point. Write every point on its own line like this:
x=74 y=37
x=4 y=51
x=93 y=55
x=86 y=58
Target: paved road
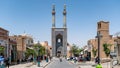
x=57 y=64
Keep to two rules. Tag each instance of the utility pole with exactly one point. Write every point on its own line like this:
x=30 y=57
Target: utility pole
x=99 y=36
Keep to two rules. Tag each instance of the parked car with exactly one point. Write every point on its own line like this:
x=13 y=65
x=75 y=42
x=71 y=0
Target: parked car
x=71 y=58
x=68 y=58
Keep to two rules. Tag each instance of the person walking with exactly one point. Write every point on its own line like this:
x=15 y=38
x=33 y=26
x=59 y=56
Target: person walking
x=2 y=62
x=38 y=59
x=96 y=60
x=7 y=62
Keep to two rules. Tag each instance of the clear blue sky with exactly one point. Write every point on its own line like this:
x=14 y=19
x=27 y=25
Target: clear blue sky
x=34 y=17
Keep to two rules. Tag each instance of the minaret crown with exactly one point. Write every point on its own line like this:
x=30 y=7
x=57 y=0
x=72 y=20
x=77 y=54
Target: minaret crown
x=53 y=16
x=64 y=16
x=53 y=10
x=64 y=11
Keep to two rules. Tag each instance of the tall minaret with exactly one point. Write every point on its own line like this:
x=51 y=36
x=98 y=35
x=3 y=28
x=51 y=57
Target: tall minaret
x=64 y=16
x=53 y=16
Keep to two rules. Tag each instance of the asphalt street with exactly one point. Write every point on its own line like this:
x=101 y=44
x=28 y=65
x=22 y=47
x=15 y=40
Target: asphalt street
x=57 y=64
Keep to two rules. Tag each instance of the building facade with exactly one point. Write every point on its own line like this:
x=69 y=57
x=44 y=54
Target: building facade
x=59 y=36
x=117 y=47
x=12 y=51
x=4 y=37
x=24 y=41
x=103 y=30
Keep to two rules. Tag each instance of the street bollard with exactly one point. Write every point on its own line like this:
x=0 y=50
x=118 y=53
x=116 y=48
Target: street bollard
x=98 y=66
x=35 y=61
x=47 y=59
x=38 y=63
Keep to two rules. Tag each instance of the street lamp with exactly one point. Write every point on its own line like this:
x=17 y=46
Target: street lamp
x=38 y=58
x=99 y=36
x=47 y=54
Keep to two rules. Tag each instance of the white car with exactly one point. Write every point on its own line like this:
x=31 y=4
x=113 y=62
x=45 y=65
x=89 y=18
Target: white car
x=68 y=58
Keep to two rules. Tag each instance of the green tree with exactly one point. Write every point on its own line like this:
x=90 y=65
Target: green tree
x=39 y=49
x=94 y=51
x=107 y=49
x=75 y=50
x=42 y=50
x=80 y=50
x=2 y=49
x=29 y=52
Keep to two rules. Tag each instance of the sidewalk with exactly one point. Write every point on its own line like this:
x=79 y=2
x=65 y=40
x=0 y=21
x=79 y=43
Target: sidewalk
x=43 y=64
x=91 y=64
x=21 y=65
x=83 y=64
x=107 y=65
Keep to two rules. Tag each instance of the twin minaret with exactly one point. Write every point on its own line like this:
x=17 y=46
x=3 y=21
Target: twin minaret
x=64 y=16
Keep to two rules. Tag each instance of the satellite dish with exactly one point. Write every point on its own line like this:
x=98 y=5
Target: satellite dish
x=114 y=62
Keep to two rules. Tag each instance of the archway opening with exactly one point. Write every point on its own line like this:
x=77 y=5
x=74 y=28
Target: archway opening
x=59 y=44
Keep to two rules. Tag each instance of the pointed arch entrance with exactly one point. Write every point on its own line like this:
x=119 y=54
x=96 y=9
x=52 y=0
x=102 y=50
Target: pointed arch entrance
x=59 y=41
x=59 y=44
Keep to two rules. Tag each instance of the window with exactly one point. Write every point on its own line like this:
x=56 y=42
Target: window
x=59 y=40
x=99 y=25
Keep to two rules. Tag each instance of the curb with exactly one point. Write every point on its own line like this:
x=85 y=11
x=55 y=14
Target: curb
x=47 y=64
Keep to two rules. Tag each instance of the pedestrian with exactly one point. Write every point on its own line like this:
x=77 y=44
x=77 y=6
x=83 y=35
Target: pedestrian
x=38 y=59
x=96 y=59
x=18 y=61
x=47 y=59
x=7 y=62
x=2 y=62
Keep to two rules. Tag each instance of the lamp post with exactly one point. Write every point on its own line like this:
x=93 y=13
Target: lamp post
x=46 y=50
x=38 y=58
x=35 y=56
x=99 y=36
